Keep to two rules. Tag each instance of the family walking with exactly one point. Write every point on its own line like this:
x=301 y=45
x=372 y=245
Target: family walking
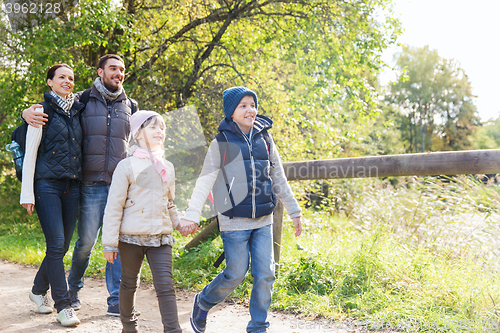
x=94 y=156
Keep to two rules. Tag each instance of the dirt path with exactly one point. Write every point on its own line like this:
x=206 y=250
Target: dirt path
x=18 y=313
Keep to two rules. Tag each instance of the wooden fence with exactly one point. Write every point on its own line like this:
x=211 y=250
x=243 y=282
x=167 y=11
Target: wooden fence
x=425 y=164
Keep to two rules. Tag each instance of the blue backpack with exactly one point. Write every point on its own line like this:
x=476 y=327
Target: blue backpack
x=19 y=136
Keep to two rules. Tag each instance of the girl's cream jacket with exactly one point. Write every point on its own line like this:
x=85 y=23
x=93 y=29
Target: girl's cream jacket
x=139 y=202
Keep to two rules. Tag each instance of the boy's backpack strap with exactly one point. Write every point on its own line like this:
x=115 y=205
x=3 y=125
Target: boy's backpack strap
x=222 y=256
x=219 y=260
x=223 y=152
x=267 y=138
x=221 y=142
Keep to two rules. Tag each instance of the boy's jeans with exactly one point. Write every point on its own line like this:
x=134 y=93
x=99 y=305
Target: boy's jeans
x=239 y=247
x=93 y=197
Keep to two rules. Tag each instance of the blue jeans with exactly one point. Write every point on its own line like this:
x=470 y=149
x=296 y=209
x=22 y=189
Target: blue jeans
x=56 y=203
x=93 y=197
x=239 y=248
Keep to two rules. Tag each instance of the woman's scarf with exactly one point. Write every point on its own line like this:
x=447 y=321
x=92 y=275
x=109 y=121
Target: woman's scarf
x=110 y=96
x=157 y=158
x=64 y=103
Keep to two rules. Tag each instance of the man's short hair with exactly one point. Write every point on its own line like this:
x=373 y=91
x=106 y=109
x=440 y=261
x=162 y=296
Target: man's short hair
x=104 y=59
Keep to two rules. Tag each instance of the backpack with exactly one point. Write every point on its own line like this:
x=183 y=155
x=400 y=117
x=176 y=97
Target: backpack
x=19 y=136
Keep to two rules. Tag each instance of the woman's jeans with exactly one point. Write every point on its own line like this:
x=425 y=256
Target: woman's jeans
x=239 y=248
x=160 y=262
x=56 y=204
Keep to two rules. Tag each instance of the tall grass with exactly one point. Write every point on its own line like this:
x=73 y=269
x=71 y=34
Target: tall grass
x=421 y=256
x=371 y=275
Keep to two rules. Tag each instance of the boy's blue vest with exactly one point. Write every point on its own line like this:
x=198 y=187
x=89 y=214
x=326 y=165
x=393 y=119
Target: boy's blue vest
x=252 y=186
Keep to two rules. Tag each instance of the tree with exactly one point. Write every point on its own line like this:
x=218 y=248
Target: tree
x=435 y=101
x=311 y=62
x=488 y=136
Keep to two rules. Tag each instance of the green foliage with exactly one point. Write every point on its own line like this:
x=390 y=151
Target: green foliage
x=488 y=136
x=430 y=87
x=309 y=273
x=315 y=82
x=10 y=209
x=198 y=262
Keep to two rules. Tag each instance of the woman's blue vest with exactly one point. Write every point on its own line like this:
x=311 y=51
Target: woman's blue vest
x=60 y=152
x=251 y=185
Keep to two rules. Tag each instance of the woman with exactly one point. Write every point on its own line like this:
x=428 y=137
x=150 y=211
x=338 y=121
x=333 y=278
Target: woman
x=50 y=184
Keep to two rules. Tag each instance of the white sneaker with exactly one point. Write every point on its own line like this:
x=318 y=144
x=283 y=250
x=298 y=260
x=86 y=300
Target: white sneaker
x=42 y=303
x=67 y=317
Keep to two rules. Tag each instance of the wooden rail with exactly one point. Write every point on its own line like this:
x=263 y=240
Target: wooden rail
x=425 y=164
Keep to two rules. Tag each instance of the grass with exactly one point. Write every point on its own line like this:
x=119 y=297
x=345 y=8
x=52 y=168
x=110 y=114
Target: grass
x=372 y=276
x=420 y=256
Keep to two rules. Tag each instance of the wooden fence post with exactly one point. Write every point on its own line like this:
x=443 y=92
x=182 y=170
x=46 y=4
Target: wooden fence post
x=277 y=231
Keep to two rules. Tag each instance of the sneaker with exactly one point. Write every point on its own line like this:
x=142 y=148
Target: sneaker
x=198 y=317
x=114 y=310
x=42 y=303
x=67 y=317
x=75 y=300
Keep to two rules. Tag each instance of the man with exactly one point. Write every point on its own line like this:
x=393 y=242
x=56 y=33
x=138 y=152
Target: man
x=106 y=131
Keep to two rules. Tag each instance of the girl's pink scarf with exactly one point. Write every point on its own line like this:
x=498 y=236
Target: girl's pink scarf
x=156 y=157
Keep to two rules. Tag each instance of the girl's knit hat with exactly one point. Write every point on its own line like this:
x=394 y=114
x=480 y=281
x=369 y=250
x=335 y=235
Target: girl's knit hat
x=138 y=118
x=231 y=98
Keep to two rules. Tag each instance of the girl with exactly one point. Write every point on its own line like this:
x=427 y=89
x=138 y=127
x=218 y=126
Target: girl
x=51 y=175
x=139 y=218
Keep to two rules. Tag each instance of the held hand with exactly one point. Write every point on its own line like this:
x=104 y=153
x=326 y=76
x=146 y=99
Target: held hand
x=111 y=256
x=29 y=207
x=186 y=227
x=189 y=228
x=34 y=117
x=193 y=228
x=298 y=225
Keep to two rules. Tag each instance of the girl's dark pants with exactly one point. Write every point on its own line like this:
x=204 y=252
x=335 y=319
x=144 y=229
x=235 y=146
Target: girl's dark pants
x=160 y=262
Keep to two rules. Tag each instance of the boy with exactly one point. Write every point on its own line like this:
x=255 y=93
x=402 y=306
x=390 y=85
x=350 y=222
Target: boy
x=253 y=177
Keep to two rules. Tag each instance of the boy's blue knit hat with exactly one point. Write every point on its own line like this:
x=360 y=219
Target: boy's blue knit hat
x=231 y=98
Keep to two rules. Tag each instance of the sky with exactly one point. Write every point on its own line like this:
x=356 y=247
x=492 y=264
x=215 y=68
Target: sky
x=464 y=30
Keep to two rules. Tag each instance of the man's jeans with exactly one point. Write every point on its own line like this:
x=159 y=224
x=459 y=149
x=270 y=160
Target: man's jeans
x=93 y=197
x=56 y=203
x=239 y=247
